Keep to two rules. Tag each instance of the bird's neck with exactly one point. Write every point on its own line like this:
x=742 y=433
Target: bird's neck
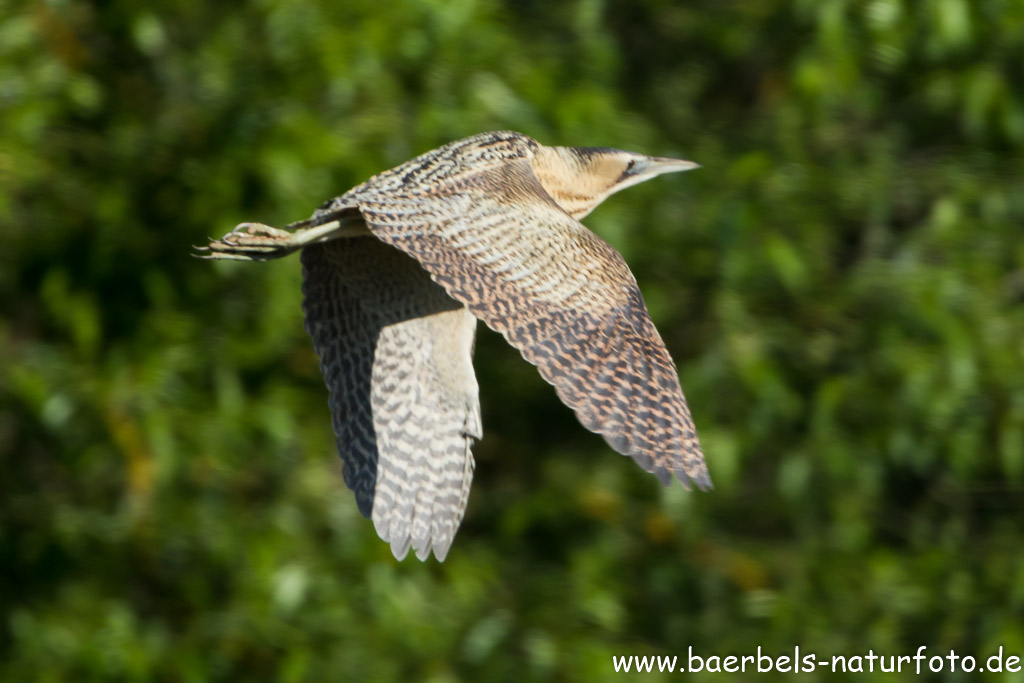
x=561 y=174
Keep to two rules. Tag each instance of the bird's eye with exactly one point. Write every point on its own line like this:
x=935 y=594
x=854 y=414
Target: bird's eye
x=631 y=164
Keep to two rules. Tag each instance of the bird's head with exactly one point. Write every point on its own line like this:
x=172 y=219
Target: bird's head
x=580 y=178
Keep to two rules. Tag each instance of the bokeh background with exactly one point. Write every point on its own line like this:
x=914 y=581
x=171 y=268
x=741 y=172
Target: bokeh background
x=842 y=286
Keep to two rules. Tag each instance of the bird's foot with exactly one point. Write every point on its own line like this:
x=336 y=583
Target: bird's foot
x=258 y=242
x=251 y=242
x=245 y=231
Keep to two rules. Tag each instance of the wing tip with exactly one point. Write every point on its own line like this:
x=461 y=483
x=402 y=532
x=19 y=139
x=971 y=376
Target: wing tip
x=400 y=548
x=693 y=476
x=701 y=479
x=441 y=548
x=698 y=477
x=364 y=503
x=421 y=547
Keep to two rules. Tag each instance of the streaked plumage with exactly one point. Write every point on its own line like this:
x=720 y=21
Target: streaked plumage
x=396 y=270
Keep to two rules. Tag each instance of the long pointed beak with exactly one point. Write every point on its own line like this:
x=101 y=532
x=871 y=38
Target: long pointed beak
x=645 y=168
x=649 y=167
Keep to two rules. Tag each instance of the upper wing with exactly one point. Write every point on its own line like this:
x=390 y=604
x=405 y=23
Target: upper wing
x=498 y=243
x=396 y=355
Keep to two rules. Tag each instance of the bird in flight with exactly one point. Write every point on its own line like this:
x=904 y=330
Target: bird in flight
x=397 y=271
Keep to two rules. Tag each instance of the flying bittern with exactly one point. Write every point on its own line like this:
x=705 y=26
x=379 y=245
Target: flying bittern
x=396 y=272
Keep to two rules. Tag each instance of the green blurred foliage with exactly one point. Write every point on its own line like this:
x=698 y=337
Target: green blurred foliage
x=842 y=286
